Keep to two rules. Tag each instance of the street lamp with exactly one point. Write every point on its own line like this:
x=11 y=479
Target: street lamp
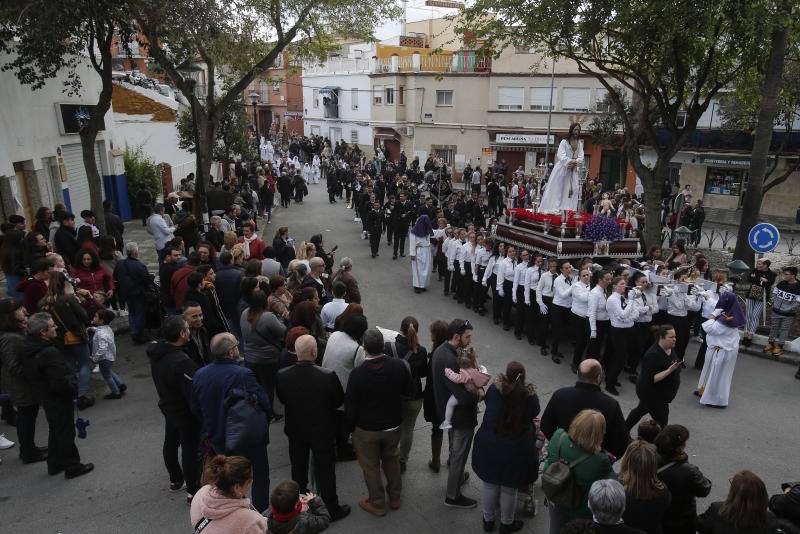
x=254 y=97
x=737 y=269
x=681 y=233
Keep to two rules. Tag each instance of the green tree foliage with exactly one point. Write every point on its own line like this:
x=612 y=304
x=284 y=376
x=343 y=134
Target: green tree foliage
x=141 y=172
x=43 y=39
x=670 y=57
x=238 y=40
x=233 y=134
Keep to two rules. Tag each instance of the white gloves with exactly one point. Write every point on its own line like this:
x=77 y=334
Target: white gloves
x=635 y=293
x=543 y=309
x=593 y=335
x=450 y=268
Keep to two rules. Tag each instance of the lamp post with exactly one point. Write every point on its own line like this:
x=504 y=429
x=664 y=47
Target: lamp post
x=254 y=97
x=681 y=233
x=737 y=269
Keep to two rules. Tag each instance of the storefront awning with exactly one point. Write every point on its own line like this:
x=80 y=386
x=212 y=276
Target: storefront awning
x=328 y=90
x=386 y=133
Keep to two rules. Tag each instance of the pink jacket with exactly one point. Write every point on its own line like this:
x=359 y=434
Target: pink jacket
x=228 y=516
x=472 y=378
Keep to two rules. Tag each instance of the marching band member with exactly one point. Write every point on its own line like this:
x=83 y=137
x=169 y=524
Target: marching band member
x=644 y=296
x=490 y=279
x=458 y=259
x=482 y=256
x=505 y=283
x=518 y=293
x=532 y=275
x=599 y=324
x=680 y=299
x=559 y=311
x=448 y=252
x=544 y=298
x=579 y=316
x=468 y=256
x=621 y=314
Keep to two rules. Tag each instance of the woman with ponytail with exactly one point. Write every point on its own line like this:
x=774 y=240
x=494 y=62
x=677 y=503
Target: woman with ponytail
x=222 y=506
x=406 y=346
x=504 y=455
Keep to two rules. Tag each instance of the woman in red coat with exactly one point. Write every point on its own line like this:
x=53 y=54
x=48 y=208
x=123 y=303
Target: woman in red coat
x=91 y=275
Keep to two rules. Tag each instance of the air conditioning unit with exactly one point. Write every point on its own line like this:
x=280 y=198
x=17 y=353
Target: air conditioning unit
x=409 y=131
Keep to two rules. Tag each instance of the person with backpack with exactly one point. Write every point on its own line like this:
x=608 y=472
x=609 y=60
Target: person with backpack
x=575 y=460
x=225 y=398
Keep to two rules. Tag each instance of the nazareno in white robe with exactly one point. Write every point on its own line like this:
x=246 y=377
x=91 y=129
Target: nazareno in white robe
x=717 y=375
x=556 y=195
x=421 y=266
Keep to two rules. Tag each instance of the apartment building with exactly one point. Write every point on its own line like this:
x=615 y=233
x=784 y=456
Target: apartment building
x=275 y=98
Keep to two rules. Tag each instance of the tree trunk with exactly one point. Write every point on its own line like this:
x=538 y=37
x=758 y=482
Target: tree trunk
x=754 y=195
x=206 y=132
x=652 y=205
x=93 y=177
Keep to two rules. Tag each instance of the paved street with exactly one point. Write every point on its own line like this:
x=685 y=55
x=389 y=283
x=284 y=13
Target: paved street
x=128 y=491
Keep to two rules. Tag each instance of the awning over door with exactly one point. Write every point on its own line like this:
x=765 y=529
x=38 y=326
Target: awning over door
x=386 y=133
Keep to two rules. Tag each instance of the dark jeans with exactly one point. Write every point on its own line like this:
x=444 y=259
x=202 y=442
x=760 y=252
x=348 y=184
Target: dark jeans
x=658 y=409
x=26 y=430
x=266 y=375
x=324 y=467
x=460 y=442
x=62 y=452
x=183 y=433
x=258 y=458
x=137 y=311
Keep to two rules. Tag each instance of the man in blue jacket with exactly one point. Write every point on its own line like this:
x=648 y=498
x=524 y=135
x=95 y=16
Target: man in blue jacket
x=132 y=280
x=210 y=386
x=228 y=284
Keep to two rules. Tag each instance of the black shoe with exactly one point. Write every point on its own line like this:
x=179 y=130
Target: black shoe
x=78 y=470
x=141 y=340
x=488 y=526
x=339 y=513
x=612 y=390
x=797 y=374
x=176 y=486
x=394 y=257
x=402 y=255
x=417 y=290
x=112 y=396
x=38 y=457
x=85 y=402
x=446 y=293
x=42 y=449
x=123 y=388
x=513 y=527
x=506 y=327
x=434 y=466
x=461 y=502
x=555 y=358
x=518 y=336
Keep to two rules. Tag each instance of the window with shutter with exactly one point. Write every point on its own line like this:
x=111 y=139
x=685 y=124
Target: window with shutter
x=444 y=98
x=354 y=136
x=315 y=98
x=540 y=99
x=510 y=98
x=576 y=99
x=601 y=106
x=377 y=95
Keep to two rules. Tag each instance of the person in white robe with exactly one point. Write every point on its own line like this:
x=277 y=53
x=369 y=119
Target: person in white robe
x=315 y=169
x=419 y=252
x=722 y=337
x=269 y=151
x=307 y=173
x=563 y=189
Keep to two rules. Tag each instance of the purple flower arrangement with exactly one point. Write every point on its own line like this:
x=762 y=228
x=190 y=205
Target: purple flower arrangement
x=601 y=228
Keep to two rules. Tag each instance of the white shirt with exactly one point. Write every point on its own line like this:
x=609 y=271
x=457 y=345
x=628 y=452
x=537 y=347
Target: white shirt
x=331 y=311
x=545 y=286
x=505 y=271
x=580 y=299
x=597 y=307
x=460 y=250
x=562 y=291
x=451 y=246
x=621 y=317
x=647 y=304
x=482 y=256
x=161 y=232
x=519 y=277
x=476 y=177
x=491 y=269
x=680 y=302
x=532 y=276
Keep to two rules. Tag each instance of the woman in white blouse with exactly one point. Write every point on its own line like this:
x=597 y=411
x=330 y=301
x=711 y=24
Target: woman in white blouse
x=579 y=317
x=621 y=313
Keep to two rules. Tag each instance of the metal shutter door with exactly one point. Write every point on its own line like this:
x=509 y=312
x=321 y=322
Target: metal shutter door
x=78 y=182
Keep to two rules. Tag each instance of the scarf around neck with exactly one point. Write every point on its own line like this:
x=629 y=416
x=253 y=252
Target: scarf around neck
x=246 y=241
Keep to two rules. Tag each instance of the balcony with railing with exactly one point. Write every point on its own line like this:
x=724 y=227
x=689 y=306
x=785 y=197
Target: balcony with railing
x=338 y=65
x=464 y=61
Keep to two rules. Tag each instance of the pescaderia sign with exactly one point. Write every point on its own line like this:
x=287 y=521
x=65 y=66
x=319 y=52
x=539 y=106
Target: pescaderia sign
x=523 y=139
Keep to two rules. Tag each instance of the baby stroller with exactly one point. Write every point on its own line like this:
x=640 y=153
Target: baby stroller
x=530 y=506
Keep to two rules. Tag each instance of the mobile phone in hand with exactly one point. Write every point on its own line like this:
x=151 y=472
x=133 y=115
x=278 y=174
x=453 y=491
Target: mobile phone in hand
x=334 y=248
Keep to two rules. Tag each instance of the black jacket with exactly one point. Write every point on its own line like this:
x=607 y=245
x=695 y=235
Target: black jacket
x=710 y=522
x=375 y=392
x=65 y=243
x=311 y=395
x=45 y=369
x=402 y=217
x=114 y=226
x=375 y=222
x=685 y=482
x=787 y=505
x=417 y=361
x=565 y=404
x=132 y=277
x=172 y=372
x=13 y=379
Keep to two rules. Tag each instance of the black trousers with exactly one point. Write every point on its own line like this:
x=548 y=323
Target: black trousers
x=389 y=232
x=26 y=430
x=374 y=242
x=183 y=433
x=324 y=467
x=543 y=326
x=642 y=340
x=658 y=409
x=400 y=242
x=455 y=284
x=622 y=350
x=532 y=318
x=497 y=302
x=598 y=344
x=448 y=275
x=508 y=302
x=700 y=360
x=331 y=195
x=681 y=325
x=520 y=309
x=342 y=434
x=581 y=332
x=267 y=376
x=559 y=317
x=466 y=285
x=62 y=454
x=479 y=291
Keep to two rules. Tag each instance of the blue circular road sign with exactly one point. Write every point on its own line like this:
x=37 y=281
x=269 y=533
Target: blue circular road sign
x=764 y=237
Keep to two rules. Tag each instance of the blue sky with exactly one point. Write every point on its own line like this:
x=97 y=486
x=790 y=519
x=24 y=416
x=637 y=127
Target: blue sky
x=416 y=10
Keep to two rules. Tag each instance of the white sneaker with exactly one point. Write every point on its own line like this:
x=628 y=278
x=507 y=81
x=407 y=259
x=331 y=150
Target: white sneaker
x=5 y=443
x=96 y=369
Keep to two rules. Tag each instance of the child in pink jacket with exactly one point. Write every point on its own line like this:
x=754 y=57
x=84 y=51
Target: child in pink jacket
x=471 y=374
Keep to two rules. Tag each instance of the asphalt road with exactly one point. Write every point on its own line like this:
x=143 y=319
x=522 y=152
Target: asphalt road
x=128 y=490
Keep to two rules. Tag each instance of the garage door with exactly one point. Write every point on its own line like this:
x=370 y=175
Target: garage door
x=78 y=183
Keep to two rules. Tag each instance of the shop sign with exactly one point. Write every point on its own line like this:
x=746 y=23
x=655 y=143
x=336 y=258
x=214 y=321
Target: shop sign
x=728 y=161
x=523 y=139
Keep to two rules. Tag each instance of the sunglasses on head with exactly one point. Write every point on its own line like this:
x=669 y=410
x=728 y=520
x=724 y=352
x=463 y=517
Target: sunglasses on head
x=466 y=326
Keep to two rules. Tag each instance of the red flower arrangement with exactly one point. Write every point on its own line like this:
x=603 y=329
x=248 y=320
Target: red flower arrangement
x=573 y=217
